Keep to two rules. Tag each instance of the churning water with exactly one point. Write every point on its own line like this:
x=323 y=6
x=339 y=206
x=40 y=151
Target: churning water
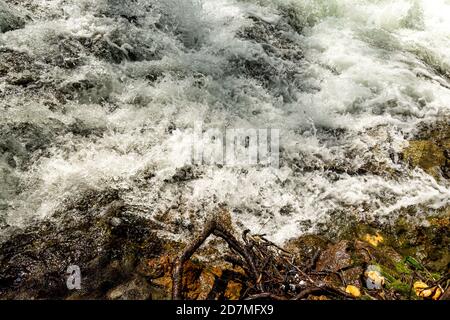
x=103 y=95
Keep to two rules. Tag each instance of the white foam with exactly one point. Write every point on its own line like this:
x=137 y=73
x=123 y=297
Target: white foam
x=359 y=75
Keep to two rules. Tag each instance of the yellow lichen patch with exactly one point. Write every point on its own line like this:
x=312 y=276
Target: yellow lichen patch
x=354 y=291
x=376 y=279
x=374 y=240
x=441 y=222
x=233 y=290
x=424 y=291
x=437 y=294
x=425 y=154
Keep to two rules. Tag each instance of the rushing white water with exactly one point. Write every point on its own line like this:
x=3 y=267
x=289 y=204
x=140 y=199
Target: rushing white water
x=117 y=86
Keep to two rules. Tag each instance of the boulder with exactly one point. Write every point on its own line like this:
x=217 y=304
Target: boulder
x=136 y=289
x=10 y=18
x=335 y=258
x=34 y=261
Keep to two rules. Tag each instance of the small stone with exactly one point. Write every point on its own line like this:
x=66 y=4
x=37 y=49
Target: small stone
x=374 y=279
x=136 y=289
x=335 y=258
x=115 y=222
x=423 y=290
x=354 y=291
x=352 y=276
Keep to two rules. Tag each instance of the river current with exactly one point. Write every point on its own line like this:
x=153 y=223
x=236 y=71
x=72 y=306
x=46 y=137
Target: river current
x=103 y=95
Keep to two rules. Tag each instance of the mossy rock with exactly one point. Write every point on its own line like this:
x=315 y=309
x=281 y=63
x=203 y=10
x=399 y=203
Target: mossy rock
x=430 y=150
x=427 y=155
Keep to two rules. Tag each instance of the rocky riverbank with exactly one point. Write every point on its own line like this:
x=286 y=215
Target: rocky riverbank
x=120 y=257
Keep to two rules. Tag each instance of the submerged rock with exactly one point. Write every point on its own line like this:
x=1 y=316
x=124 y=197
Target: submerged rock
x=427 y=155
x=430 y=150
x=10 y=18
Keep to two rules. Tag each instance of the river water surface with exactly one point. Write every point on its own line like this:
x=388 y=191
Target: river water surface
x=103 y=95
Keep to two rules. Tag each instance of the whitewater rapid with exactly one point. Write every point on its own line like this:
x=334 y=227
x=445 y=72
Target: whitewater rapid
x=113 y=89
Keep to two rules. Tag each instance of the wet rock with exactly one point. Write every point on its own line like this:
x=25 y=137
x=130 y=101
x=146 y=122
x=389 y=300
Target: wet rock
x=136 y=289
x=335 y=258
x=13 y=62
x=115 y=222
x=307 y=249
x=185 y=173
x=157 y=267
x=69 y=52
x=22 y=79
x=352 y=276
x=10 y=18
x=19 y=141
x=430 y=150
x=10 y=183
x=277 y=45
x=33 y=262
x=426 y=155
x=429 y=242
x=93 y=88
x=384 y=254
x=374 y=279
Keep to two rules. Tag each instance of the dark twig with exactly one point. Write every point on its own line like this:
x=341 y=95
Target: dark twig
x=216 y=228
x=187 y=253
x=265 y=295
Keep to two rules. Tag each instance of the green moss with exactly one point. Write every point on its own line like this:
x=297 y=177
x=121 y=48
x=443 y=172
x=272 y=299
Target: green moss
x=388 y=274
x=402 y=288
x=413 y=263
x=402 y=268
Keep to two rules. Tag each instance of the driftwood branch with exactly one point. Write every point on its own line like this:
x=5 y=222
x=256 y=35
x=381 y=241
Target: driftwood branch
x=214 y=227
x=270 y=268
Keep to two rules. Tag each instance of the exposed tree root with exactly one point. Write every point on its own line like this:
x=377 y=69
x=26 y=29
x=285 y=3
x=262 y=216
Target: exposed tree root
x=214 y=227
x=272 y=273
